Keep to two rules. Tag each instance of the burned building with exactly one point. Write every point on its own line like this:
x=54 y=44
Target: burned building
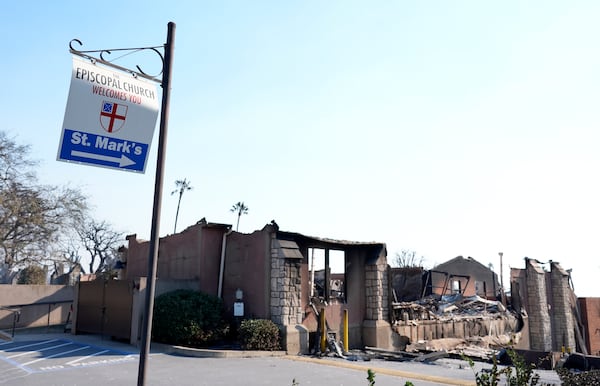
x=465 y=276
x=292 y=279
x=407 y=283
x=542 y=315
x=456 y=302
x=286 y=277
x=549 y=306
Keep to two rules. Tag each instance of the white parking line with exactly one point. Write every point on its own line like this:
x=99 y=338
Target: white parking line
x=31 y=345
x=34 y=351
x=56 y=355
x=39 y=354
x=86 y=357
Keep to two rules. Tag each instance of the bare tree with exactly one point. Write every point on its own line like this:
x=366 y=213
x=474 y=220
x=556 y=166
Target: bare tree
x=182 y=186
x=66 y=256
x=240 y=208
x=14 y=160
x=32 y=216
x=408 y=259
x=101 y=242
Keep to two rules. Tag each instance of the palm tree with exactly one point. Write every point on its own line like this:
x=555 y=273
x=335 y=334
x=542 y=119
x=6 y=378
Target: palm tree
x=182 y=186
x=240 y=208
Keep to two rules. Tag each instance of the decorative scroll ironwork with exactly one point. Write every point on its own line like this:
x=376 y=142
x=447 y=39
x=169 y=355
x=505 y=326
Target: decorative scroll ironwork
x=103 y=59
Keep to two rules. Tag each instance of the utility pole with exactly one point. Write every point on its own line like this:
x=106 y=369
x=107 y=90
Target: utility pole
x=165 y=82
x=158 y=186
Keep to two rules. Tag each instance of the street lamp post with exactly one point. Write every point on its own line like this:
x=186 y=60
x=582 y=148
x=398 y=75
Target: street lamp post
x=501 y=276
x=502 y=293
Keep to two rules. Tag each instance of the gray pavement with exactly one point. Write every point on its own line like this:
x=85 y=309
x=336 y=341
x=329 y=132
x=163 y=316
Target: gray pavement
x=66 y=359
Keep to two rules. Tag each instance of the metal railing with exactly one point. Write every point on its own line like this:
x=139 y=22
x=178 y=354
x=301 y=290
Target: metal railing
x=15 y=309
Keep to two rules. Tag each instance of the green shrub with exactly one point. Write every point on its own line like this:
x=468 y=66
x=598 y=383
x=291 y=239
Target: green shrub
x=371 y=377
x=523 y=372
x=188 y=318
x=588 y=378
x=259 y=334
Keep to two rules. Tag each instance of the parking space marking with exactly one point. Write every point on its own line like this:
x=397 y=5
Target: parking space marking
x=43 y=349
x=31 y=345
x=55 y=355
x=86 y=357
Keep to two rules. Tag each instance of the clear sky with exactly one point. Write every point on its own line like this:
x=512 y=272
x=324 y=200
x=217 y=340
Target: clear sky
x=444 y=127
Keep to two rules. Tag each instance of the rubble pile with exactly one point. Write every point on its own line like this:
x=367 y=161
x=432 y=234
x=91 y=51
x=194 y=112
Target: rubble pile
x=455 y=325
x=445 y=307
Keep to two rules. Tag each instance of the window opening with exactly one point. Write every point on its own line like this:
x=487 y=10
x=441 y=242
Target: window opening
x=455 y=286
x=337 y=279
x=316 y=266
x=327 y=269
x=480 y=288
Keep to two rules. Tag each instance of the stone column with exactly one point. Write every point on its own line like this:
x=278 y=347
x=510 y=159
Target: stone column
x=285 y=302
x=376 y=328
x=285 y=291
x=562 y=315
x=540 y=328
x=376 y=290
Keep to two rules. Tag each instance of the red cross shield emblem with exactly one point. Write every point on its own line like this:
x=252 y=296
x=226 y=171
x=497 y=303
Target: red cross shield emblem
x=112 y=116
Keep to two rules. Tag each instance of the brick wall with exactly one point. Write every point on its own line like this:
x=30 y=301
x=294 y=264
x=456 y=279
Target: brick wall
x=590 y=315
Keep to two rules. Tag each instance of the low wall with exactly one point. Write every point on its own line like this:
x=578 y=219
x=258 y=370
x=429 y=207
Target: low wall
x=38 y=305
x=413 y=331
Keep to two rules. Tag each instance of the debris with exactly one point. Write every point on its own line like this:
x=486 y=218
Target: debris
x=335 y=346
x=389 y=354
x=445 y=344
x=436 y=307
x=432 y=356
x=453 y=325
x=406 y=356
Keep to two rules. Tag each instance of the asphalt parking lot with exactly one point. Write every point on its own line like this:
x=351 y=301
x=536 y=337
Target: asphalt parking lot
x=43 y=355
x=65 y=359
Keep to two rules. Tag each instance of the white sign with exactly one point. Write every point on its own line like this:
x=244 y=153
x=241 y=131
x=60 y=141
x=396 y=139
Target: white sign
x=110 y=118
x=238 y=309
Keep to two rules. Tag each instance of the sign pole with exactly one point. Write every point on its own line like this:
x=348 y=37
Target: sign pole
x=158 y=187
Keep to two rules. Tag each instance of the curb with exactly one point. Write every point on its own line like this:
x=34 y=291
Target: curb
x=381 y=370
x=213 y=353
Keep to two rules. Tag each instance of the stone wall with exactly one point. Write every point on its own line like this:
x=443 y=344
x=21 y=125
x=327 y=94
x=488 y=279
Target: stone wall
x=286 y=283
x=376 y=288
x=540 y=328
x=550 y=305
x=562 y=315
x=285 y=300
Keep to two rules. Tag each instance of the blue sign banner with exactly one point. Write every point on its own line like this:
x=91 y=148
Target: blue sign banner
x=79 y=146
